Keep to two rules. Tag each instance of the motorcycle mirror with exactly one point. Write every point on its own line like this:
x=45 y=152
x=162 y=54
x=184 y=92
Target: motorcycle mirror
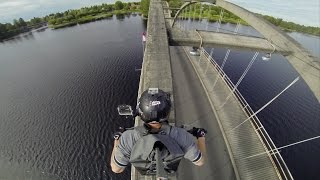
x=125 y=110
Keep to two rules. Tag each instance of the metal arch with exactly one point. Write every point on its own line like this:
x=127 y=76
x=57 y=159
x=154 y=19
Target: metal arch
x=180 y=10
x=306 y=64
x=187 y=3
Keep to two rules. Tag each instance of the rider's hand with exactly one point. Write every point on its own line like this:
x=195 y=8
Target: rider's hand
x=198 y=132
x=117 y=135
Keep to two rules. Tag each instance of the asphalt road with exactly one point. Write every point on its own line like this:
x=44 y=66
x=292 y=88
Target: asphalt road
x=193 y=109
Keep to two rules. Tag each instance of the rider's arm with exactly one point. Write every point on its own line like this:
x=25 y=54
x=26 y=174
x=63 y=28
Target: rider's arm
x=115 y=166
x=194 y=151
x=121 y=151
x=202 y=147
x=188 y=145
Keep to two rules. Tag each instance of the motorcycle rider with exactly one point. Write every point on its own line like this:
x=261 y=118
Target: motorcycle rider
x=154 y=108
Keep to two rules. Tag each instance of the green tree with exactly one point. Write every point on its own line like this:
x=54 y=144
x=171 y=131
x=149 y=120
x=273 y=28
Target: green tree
x=58 y=15
x=144 y=5
x=16 y=23
x=126 y=6
x=22 y=23
x=35 y=21
x=108 y=8
x=118 y=5
x=52 y=21
x=3 y=31
x=59 y=21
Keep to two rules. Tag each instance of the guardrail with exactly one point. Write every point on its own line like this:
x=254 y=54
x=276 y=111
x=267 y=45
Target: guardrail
x=271 y=149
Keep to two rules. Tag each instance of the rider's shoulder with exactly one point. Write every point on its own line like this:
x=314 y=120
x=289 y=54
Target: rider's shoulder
x=130 y=133
x=178 y=130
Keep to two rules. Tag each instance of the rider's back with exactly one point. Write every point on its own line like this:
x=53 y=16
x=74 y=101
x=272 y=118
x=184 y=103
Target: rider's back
x=137 y=147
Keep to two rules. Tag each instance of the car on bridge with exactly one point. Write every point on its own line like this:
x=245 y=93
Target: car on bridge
x=194 y=51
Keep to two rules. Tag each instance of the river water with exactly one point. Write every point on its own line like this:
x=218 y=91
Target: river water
x=59 y=93
x=59 y=90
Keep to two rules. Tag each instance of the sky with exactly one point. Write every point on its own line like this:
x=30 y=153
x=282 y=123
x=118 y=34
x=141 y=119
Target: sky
x=306 y=12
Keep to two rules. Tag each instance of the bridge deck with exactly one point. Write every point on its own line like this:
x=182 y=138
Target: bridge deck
x=179 y=37
x=193 y=108
x=226 y=150
x=243 y=141
x=156 y=67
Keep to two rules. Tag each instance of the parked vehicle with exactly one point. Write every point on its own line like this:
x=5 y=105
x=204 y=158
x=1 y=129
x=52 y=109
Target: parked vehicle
x=195 y=51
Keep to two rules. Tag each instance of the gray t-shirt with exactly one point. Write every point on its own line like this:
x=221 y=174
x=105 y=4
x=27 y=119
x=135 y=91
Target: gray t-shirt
x=128 y=139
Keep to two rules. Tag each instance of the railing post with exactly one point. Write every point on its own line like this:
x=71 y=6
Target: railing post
x=194 y=13
x=241 y=78
x=208 y=18
x=185 y=18
x=254 y=114
x=200 y=18
x=223 y=63
x=275 y=156
x=237 y=27
x=209 y=60
x=220 y=18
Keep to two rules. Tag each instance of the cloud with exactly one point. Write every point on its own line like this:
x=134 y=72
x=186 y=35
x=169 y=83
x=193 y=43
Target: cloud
x=27 y=9
x=298 y=11
x=11 y=4
x=301 y=12
x=17 y=8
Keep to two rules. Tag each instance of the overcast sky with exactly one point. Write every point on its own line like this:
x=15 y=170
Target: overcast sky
x=306 y=12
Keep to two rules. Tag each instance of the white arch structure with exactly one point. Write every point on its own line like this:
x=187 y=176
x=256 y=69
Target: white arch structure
x=305 y=64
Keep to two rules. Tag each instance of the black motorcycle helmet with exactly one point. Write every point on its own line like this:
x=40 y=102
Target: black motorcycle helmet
x=154 y=105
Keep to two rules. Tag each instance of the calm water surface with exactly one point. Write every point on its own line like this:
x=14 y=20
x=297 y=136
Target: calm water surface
x=295 y=115
x=59 y=90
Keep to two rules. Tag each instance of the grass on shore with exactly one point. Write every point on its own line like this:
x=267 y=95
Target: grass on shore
x=86 y=19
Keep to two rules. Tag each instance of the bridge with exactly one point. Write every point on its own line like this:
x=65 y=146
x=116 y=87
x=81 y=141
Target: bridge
x=238 y=146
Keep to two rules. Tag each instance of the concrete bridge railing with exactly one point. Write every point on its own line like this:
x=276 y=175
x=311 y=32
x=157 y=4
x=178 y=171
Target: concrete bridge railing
x=250 y=137
x=270 y=147
x=253 y=138
x=156 y=67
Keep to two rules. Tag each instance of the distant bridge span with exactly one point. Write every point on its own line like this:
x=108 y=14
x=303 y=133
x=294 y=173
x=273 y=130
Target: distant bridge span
x=306 y=65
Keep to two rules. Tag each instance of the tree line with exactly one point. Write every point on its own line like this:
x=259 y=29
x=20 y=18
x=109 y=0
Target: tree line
x=290 y=26
x=96 y=12
x=92 y=13
x=212 y=13
x=68 y=18
x=18 y=26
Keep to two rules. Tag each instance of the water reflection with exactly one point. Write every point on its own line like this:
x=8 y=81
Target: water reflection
x=29 y=35
x=41 y=29
x=57 y=97
x=19 y=170
x=120 y=17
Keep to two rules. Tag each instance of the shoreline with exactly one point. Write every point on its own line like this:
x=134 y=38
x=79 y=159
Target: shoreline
x=215 y=18
x=66 y=25
x=25 y=33
x=92 y=18
x=70 y=18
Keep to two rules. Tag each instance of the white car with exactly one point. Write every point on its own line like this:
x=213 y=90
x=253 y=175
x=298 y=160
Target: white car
x=195 y=51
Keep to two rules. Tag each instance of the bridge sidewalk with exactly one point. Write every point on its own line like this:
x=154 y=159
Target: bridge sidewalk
x=193 y=108
x=243 y=141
